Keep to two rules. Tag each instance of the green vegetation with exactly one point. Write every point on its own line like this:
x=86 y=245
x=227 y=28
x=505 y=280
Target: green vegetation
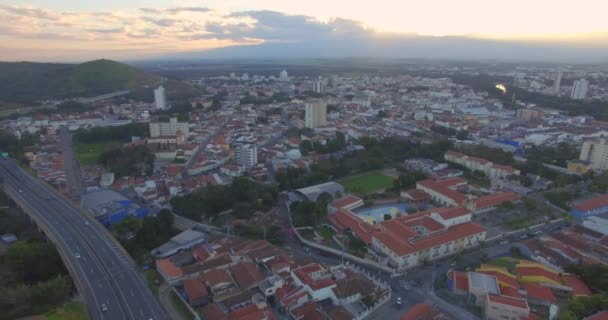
x=407 y=180
x=69 y=311
x=326 y=232
x=377 y=155
x=274 y=234
x=561 y=199
x=599 y=184
x=16 y=147
x=557 y=156
x=89 y=153
x=70 y=107
x=244 y=196
x=310 y=214
x=582 y=307
x=180 y=306
x=139 y=236
x=119 y=133
x=334 y=145
x=366 y=183
x=128 y=161
x=261 y=98
x=594 y=275
x=27 y=82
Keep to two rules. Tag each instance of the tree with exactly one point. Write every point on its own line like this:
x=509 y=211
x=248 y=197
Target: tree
x=387 y=217
x=462 y=135
x=24 y=259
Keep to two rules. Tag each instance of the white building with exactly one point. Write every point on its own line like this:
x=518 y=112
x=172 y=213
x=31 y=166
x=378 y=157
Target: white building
x=247 y=155
x=160 y=99
x=316 y=114
x=579 y=89
x=283 y=76
x=557 y=82
x=165 y=129
x=318 y=86
x=595 y=152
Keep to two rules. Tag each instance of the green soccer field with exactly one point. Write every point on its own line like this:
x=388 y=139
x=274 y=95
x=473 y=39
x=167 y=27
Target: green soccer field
x=88 y=153
x=366 y=183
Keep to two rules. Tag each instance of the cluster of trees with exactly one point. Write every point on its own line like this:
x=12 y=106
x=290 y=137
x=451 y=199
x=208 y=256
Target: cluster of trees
x=244 y=196
x=599 y=184
x=309 y=213
x=407 y=180
x=458 y=134
x=273 y=233
x=596 y=277
x=14 y=146
x=119 y=133
x=558 y=155
x=561 y=199
x=70 y=107
x=179 y=109
x=492 y=154
x=37 y=280
x=377 y=154
x=334 y=145
x=128 y=161
x=140 y=236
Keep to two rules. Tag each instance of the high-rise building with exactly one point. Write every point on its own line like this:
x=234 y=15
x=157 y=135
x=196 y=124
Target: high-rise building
x=316 y=114
x=579 y=89
x=318 y=86
x=245 y=76
x=160 y=99
x=595 y=152
x=246 y=155
x=169 y=129
x=557 y=82
x=283 y=76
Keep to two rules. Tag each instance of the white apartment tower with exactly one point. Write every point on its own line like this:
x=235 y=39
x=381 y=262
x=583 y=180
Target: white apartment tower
x=246 y=155
x=316 y=114
x=595 y=152
x=283 y=76
x=160 y=99
x=579 y=89
x=169 y=129
x=557 y=83
x=318 y=86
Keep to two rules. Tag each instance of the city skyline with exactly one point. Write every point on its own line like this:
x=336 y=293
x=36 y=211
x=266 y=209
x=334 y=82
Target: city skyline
x=56 y=31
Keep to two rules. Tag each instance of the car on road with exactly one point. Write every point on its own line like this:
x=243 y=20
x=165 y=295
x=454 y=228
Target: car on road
x=77 y=255
x=504 y=242
x=523 y=237
x=20 y=191
x=399 y=301
x=104 y=308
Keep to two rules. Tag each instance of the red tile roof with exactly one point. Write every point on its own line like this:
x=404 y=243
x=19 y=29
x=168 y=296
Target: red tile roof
x=169 y=268
x=345 y=201
x=579 y=288
x=531 y=271
x=539 y=292
x=511 y=292
x=200 y=253
x=592 y=204
x=444 y=187
x=216 y=277
x=195 y=289
x=513 y=302
x=345 y=220
x=247 y=274
x=493 y=200
x=421 y=311
x=304 y=272
x=602 y=315
x=460 y=280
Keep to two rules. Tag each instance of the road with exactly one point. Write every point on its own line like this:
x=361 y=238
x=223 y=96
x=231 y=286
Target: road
x=101 y=269
x=202 y=146
x=70 y=164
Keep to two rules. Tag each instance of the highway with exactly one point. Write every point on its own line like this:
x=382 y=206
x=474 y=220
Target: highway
x=102 y=271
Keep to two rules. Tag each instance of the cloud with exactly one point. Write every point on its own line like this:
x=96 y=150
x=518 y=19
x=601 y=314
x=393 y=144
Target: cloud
x=30 y=12
x=175 y=10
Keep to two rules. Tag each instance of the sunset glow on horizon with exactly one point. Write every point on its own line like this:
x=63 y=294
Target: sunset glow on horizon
x=69 y=29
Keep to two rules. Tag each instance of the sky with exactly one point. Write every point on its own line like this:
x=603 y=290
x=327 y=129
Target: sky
x=78 y=30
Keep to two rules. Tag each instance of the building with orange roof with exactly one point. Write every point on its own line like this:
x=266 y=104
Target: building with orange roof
x=490 y=169
x=602 y=315
x=444 y=191
x=539 y=295
x=196 y=292
x=579 y=288
x=348 y=202
x=533 y=274
x=169 y=271
x=591 y=207
x=458 y=282
x=316 y=280
x=497 y=306
x=423 y=311
x=491 y=201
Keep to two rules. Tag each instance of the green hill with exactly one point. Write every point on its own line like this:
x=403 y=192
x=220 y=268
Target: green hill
x=26 y=82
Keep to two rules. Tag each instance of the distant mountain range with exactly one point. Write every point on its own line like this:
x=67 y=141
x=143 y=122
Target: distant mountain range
x=27 y=82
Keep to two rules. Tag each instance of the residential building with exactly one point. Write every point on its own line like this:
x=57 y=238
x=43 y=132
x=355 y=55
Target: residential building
x=316 y=114
x=490 y=169
x=501 y=307
x=596 y=152
x=160 y=99
x=318 y=86
x=283 y=76
x=528 y=114
x=579 y=89
x=171 y=128
x=246 y=155
x=444 y=191
x=590 y=207
x=579 y=166
x=557 y=82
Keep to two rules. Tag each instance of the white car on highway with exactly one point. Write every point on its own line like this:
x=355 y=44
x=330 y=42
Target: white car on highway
x=77 y=255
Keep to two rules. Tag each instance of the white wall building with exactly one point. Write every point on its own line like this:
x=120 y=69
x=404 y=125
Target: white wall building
x=579 y=89
x=166 y=129
x=283 y=76
x=247 y=155
x=160 y=99
x=595 y=152
x=316 y=114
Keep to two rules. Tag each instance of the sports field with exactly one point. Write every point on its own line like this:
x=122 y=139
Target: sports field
x=366 y=183
x=88 y=153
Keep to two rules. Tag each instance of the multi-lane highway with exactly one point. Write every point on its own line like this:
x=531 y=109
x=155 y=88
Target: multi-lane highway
x=101 y=269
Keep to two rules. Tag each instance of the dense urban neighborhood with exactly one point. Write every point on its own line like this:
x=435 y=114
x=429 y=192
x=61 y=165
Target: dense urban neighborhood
x=424 y=191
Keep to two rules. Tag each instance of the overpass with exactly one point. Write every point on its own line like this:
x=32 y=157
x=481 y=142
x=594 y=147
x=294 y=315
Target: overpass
x=102 y=271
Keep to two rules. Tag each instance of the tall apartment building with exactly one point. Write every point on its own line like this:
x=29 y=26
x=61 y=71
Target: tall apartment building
x=316 y=114
x=169 y=129
x=246 y=155
x=160 y=99
x=318 y=86
x=579 y=89
x=595 y=152
x=283 y=76
x=557 y=82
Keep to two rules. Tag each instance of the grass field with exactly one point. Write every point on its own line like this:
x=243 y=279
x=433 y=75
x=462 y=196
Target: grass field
x=366 y=183
x=69 y=311
x=88 y=153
